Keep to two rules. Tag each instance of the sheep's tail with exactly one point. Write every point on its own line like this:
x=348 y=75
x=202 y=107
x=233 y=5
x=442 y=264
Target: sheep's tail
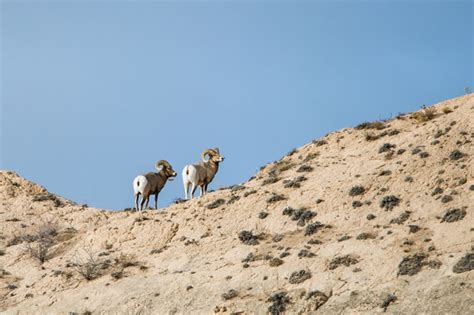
x=139 y=184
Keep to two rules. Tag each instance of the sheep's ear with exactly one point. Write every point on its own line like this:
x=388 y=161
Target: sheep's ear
x=217 y=150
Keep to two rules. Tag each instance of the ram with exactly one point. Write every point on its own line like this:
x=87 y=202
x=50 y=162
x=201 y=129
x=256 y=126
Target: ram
x=152 y=183
x=201 y=174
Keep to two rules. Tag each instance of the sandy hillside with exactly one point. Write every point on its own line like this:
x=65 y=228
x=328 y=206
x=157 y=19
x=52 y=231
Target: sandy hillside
x=364 y=220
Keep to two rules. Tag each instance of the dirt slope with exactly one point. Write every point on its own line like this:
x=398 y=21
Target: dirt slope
x=362 y=220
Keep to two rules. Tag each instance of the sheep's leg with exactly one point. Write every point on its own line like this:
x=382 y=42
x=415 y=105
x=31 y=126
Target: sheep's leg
x=143 y=202
x=202 y=190
x=156 y=201
x=193 y=189
x=205 y=187
x=186 y=189
x=137 y=196
x=147 y=201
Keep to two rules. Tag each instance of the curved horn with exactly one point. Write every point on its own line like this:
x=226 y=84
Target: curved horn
x=206 y=152
x=162 y=164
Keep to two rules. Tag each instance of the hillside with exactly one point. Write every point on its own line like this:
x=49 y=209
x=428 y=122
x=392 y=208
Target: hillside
x=364 y=220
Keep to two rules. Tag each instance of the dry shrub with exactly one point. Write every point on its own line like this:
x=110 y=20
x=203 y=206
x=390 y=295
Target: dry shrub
x=426 y=114
x=280 y=167
x=40 y=242
x=88 y=266
x=447 y=110
x=126 y=260
x=378 y=125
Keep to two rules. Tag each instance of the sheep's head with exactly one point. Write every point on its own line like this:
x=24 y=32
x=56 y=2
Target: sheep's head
x=166 y=168
x=213 y=155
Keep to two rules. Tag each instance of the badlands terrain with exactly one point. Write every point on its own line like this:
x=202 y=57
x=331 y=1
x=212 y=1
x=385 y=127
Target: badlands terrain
x=371 y=219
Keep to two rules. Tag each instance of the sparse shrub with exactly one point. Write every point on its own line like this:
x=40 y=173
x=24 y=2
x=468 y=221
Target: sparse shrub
x=319 y=143
x=385 y=173
x=446 y=198
x=370 y=216
x=294 y=183
x=216 y=203
x=386 y=147
x=413 y=228
x=39 y=243
x=248 y=238
x=117 y=274
x=378 y=125
x=229 y=294
x=439 y=133
x=262 y=215
x=426 y=114
x=304 y=253
x=48 y=197
x=248 y=193
x=415 y=151
x=447 y=110
x=305 y=169
x=437 y=191
x=277 y=237
x=233 y=199
x=3 y=273
x=300 y=215
x=356 y=204
x=270 y=180
x=370 y=136
x=401 y=151
x=466 y=263
x=401 y=218
x=365 y=236
x=456 y=155
x=345 y=260
x=313 y=228
x=278 y=303
x=412 y=264
x=284 y=254
x=389 y=202
x=299 y=276
x=275 y=262
x=387 y=301
x=356 y=190
x=275 y=198
x=344 y=238
x=280 y=167
x=453 y=215
x=311 y=156
x=89 y=267
x=424 y=155
x=12 y=287
x=126 y=260
x=292 y=152
x=318 y=298
x=237 y=188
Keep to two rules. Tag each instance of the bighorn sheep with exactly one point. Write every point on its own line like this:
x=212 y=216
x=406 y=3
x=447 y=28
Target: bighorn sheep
x=201 y=174
x=152 y=183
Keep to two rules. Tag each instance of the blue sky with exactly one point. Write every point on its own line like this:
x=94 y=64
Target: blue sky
x=93 y=93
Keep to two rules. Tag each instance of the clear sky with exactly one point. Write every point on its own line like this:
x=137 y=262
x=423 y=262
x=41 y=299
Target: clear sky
x=93 y=93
